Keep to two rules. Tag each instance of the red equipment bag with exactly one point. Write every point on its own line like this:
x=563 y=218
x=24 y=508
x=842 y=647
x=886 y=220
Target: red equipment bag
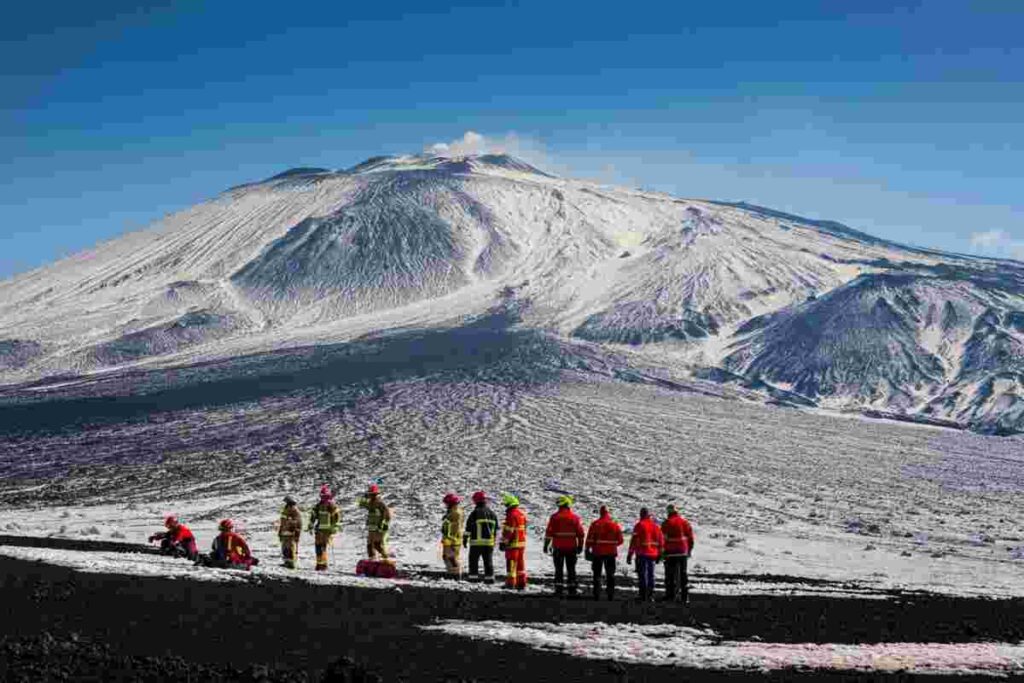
x=376 y=568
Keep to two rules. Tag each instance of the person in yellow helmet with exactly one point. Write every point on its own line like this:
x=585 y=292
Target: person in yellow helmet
x=565 y=538
x=289 y=531
x=513 y=543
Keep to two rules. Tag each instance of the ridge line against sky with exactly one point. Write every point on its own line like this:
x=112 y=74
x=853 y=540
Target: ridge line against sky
x=900 y=119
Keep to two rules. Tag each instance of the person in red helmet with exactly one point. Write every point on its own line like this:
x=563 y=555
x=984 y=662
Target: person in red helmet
x=378 y=522
x=564 y=539
x=513 y=543
x=324 y=523
x=451 y=536
x=647 y=544
x=481 y=532
x=230 y=551
x=678 y=546
x=603 y=540
x=177 y=541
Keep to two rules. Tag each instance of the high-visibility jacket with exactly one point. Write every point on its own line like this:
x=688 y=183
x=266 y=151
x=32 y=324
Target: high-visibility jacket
x=647 y=540
x=604 y=537
x=325 y=518
x=231 y=547
x=678 y=535
x=513 y=531
x=451 y=527
x=378 y=515
x=290 y=525
x=482 y=526
x=565 y=531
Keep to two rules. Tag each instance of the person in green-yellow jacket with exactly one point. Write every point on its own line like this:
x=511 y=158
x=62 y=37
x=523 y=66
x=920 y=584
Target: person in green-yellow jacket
x=451 y=536
x=289 y=531
x=378 y=521
x=324 y=522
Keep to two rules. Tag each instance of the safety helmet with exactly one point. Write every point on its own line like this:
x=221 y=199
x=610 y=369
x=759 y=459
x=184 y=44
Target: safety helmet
x=289 y=500
x=171 y=521
x=373 y=490
x=451 y=499
x=565 y=501
x=226 y=525
x=509 y=500
x=479 y=497
x=325 y=491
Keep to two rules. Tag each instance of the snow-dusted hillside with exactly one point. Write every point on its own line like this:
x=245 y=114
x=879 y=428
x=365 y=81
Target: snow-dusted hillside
x=678 y=286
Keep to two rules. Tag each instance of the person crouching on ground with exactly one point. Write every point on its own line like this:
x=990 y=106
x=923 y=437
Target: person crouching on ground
x=177 y=541
x=678 y=546
x=481 y=532
x=324 y=522
x=603 y=540
x=564 y=540
x=451 y=536
x=289 y=531
x=647 y=544
x=230 y=551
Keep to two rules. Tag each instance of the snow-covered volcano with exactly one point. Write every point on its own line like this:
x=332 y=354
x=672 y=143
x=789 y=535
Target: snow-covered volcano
x=693 y=288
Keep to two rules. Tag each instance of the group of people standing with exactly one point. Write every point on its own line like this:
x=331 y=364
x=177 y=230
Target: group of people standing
x=565 y=540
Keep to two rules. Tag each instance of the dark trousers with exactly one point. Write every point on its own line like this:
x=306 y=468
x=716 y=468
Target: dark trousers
x=187 y=549
x=565 y=567
x=607 y=565
x=675 y=577
x=486 y=553
x=645 y=576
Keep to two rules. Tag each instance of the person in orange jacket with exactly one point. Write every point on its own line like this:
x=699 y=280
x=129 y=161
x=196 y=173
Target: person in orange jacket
x=513 y=543
x=678 y=546
x=602 y=547
x=647 y=543
x=565 y=537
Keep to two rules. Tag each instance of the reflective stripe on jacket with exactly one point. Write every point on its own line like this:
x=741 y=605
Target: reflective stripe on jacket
x=513 y=532
x=647 y=540
x=604 y=537
x=378 y=516
x=482 y=526
x=451 y=527
x=565 y=530
x=290 y=524
x=678 y=535
x=325 y=518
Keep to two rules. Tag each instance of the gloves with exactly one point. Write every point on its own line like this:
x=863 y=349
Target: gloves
x=465 y=541
x=153 y=538
x=579 y=551
x=589 y=556
x=657 y=560
x=501 y=547
x=629 y=558
x=547 y=548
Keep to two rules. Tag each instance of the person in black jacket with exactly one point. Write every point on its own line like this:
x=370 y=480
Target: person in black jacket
x=481 y=531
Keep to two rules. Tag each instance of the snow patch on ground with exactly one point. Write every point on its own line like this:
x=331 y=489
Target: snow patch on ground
x=670 y=645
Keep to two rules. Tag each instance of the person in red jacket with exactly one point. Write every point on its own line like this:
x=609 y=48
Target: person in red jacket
x=603 y=540
x=647 y=544
x=678 y=546
x=565 y=536
x=513 y=543
x=230 y=551
x=177 y=541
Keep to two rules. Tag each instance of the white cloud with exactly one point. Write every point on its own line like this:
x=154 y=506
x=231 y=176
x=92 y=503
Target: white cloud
x=991 y=239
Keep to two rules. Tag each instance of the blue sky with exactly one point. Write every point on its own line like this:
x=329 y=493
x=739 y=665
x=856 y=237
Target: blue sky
x=902 y=119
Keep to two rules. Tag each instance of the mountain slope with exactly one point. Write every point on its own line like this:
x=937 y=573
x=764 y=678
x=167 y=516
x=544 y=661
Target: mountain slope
x=316 y=256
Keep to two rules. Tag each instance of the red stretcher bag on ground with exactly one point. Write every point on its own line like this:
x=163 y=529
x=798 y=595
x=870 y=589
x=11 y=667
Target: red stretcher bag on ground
x=376 y=568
